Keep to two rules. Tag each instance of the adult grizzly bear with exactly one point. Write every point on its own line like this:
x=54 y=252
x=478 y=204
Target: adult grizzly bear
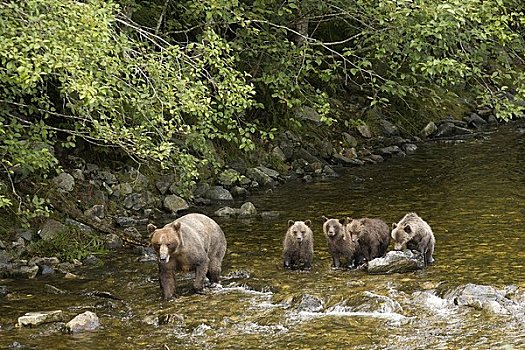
x=414 y=233
x=193 y=242
x=298 y=245
x=340 y=243
x=371 y=236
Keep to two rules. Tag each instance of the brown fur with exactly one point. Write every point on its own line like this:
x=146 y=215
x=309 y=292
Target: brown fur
x=339 y=242
x=414 y=233
x=371 y=236
x=193 y=242
x=298 y=245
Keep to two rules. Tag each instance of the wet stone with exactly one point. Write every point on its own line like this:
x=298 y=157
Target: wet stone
x=310 y=303
x=396 y=262
x=86 y=321
x=247 y=210
x=39 y=317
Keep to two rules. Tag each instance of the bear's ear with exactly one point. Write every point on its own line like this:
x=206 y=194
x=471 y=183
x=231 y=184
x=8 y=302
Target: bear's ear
x=324 y=218
x=308 y=223
x=408 y=229
x=394 y=225
x=346 y=220
x=176 y=227
x=290 y=223
x=151 y=228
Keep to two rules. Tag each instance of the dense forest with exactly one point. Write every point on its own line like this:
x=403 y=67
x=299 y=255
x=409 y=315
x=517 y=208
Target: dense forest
x=167 y=84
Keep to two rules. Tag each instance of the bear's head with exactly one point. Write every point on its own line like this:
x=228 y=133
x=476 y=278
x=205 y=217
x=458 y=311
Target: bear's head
x=299 y=229
x=354 y=228
x=333 y=228
x=165 y=240
x=401 y=234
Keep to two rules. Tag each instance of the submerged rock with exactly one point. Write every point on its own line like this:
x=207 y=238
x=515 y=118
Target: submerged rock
x=482 y=297
x=310 y=303
x=86 y=321
x=396 y=262
x=39 y=317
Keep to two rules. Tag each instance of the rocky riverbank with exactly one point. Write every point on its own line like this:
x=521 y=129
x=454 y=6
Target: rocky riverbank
x=90 y=199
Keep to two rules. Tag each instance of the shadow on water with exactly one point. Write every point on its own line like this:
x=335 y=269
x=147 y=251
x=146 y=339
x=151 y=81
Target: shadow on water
x=471 y=193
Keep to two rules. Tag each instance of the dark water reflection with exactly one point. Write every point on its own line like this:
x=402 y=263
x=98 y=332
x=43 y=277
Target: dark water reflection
x=472 y=194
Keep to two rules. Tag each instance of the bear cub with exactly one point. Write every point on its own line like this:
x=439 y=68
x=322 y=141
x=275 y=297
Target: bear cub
x=193 y=242
x=340 y=243
x=298 y=245
x=370 y=236
x=414 y=233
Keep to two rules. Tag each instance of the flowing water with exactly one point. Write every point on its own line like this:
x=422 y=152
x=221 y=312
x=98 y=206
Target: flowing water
x=471 y=193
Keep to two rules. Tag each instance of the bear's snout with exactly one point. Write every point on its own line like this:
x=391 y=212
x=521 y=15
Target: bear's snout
x=164 y=255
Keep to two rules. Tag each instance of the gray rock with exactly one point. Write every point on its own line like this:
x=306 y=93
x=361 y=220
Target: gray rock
x=86 y=321
x=112 y=241
x=125 y=221
x=218 y=193
x=388 y=128
x=106 y=177
x=446 y=129
x=3 y=291
x=340 y=159
x=5 y=257
x=372 y=302
x=51 y=229
x=46 y=270
x=279 y=154
x=482 y=297
x=429 y=130
x=238 y=191
x=396 y=262
x=78 y=225
x=174 y=203
x=96 y=211
x=301 y=153
x=64 y=182
x=247 y=210
x=310 y=303
x=391 y=151
x=329 y=172
x=364 y=130
x=139 y=201
x=122 y=190
x=201 y=189
x=475 y=121
x=270 y=215
x=227 y=212
x=349 y=140
x=163 y=184
x=50 y=289
x=39 y=317
x=78 y=174
x=260 y=177
x=409 y=148
x=26 y=235
x=308 y=113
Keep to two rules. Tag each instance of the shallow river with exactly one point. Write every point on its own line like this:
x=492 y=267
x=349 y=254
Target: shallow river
x=471 y=193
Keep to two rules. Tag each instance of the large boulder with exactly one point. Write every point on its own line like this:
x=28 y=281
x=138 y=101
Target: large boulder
x=174 y=203
x=31 y=319
x=396 y=262
x=86 y=321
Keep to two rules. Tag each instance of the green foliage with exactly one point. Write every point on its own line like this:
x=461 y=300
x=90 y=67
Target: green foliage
x=69 y=244
x=185 y=77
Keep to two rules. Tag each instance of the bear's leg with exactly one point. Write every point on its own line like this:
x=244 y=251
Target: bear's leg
x=200 y=272
x=287 y=260
x=167 y=278
x=336 y=262
x=214 y=271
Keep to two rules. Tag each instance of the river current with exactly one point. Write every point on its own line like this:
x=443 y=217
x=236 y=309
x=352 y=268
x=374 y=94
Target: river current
x=472 y=194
